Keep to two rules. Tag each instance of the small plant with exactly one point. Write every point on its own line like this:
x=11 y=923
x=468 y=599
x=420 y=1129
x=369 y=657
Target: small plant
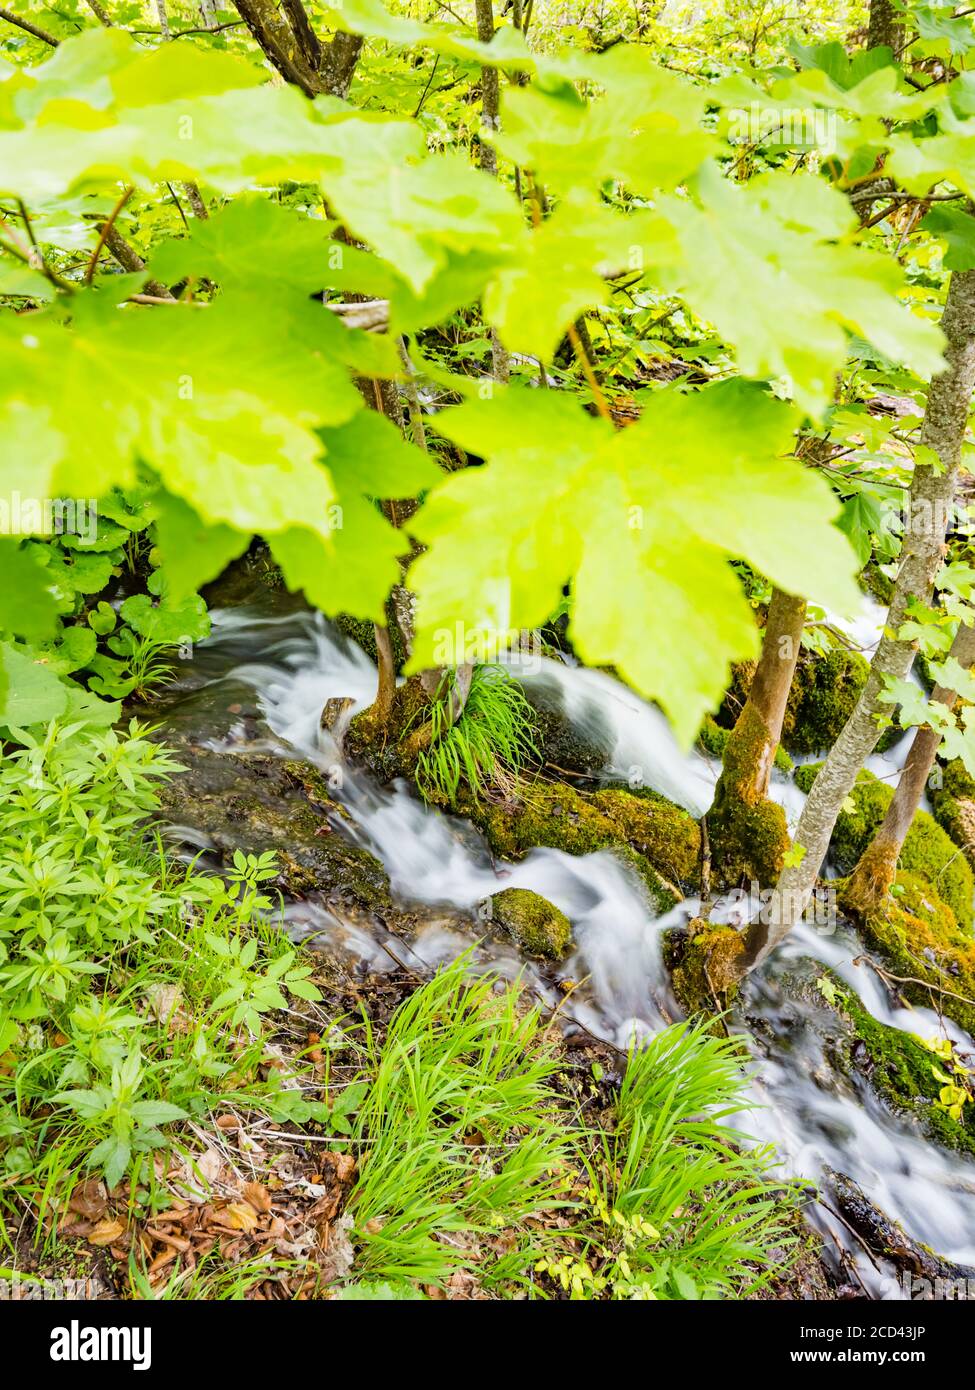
x=132 y=994
x=460 y=1131
x=489 y=744
x=677 y=1206
x=954 y=1077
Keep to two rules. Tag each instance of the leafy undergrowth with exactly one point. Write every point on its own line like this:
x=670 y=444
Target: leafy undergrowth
x=190 y=1109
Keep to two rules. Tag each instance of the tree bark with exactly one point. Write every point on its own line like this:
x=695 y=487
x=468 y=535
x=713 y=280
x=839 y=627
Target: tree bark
x=886 y=27
x=873 y=876
x=491 y=122
x=931 y=496
x=29 y=28
x=291 y=45
x=748 y=832
x=338 y=64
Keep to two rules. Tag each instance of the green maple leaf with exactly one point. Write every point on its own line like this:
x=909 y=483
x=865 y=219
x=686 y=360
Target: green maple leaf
x=957 y=228
x=222 y=401
x=561 y=268
x=354 y=571
x=251 y=240
x=861 y=519
x=645 y=131
x=643 y=521
x=743 y=254
x=193 y=552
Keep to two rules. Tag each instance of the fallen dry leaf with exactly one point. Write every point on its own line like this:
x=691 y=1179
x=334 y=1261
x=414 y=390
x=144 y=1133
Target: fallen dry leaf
x=107 y=1231
x=258 y=1196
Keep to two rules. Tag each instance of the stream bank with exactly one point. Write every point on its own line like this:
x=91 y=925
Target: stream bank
x=400 y=884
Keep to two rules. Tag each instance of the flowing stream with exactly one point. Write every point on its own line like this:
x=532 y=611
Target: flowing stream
x=816 y=1116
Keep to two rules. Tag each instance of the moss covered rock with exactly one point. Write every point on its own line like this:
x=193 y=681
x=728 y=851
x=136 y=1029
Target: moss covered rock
x=898 y=1068
x=556 y=815
x=667 y=835
x=824 y=692
x=954 y=807
x=921 y=942
x=582 y=745
x=535 y=924
x=928 y=852
x=825 y=688
x=257 y=802
x=713 y=739
x=660 y=893
x=704 y=961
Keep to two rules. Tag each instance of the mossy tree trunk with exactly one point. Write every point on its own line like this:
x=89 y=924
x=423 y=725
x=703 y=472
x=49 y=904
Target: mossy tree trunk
x=929 y=504
x=747 y=831
x=873 y=876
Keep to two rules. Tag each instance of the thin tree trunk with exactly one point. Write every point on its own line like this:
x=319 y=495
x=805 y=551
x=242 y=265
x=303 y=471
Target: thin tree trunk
x=338 y=64
x=291 y=45
x=163 y=18
x=931 y=496
x=873 y=876
x=490 y=87
x=100 y=13
x=386 y=687
x=886 y=26
x=491 y=123
x=748 y=833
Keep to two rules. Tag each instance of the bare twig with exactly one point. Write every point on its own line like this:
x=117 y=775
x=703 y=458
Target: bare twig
x=105 y=232
x=29 y=28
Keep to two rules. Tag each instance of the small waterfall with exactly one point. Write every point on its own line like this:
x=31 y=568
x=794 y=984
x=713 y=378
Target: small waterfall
x=815 y=1118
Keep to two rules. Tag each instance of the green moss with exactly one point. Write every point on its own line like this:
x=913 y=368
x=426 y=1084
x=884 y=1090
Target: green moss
x=667 y=835
x=954 y=806
x=748 y=833
x=824 y=692
x=714 y=740
x=928 y=851
x=363 y=633
x=921 y=942
x=703 y=963
x=553 y=814
x=899 y=1068
x=661 y=894
x=533 y=922
x=878 y=584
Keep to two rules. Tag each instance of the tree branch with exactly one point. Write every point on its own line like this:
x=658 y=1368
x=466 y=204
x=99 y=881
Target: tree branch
x=29 y=28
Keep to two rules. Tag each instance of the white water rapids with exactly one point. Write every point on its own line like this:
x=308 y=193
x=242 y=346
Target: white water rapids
x=814 y=1116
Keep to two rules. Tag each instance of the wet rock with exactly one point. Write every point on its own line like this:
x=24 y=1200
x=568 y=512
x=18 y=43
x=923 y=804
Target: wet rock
x=335 y=710
x=253 y=581
x=534 y=923
x=807 y=1008
x=888 y=1240
x=258 y=801
x=583 y=746
x=556 y=815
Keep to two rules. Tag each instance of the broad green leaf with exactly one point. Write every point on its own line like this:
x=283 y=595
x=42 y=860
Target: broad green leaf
x=957 y=228
x=369 y=454
x=563 y=271
x=193 y=553
x=741 y=256
x=30 y=693
x=643 y=521
x=27 y=607
x=644 y=132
